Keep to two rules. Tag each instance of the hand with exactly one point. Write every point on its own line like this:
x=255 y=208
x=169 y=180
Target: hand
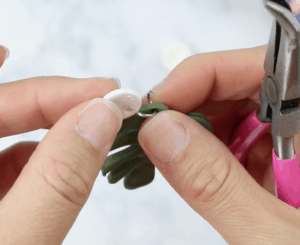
x=45 y=185
x=239 y=203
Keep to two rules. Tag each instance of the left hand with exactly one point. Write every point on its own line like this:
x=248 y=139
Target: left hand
x=44 y=185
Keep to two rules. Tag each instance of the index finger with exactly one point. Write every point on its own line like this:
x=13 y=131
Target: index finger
x=219 y=76
x=39 y=102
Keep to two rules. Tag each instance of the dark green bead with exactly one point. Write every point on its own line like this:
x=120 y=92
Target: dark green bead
x=122 y=170
x=126 y=137
x=201 y=120
x=116 y=159
x=136 y=121
x=128 y=133
x=132 y=164
x=142 y=174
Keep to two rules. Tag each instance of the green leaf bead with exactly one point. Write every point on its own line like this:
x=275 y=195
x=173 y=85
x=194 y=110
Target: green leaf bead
x=122 y=170
x=128 y=133
x=151 y=108
x=142 y=174
x=126 y=137
x=132 y=164
x=132 y=123
x=136 y=121
x=116 y=159
x=201 y=120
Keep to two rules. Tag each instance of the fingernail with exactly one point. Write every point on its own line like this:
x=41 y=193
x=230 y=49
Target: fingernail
x=116 y=80
x=158 y=86
x=7 y=53
x=99 y=123
x=106 y=78
x=164 y=138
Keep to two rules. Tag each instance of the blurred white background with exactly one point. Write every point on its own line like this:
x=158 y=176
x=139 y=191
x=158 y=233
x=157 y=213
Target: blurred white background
x=137 y=42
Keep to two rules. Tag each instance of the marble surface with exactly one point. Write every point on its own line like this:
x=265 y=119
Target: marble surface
x=138 y=42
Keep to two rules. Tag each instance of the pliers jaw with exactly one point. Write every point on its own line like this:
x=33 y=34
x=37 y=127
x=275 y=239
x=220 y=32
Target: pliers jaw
x=280 y=89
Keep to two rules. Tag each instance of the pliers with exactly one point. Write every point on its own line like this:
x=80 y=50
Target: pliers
x=279 y=104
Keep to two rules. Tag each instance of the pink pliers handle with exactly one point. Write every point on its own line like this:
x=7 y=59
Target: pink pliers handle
x=286 y=172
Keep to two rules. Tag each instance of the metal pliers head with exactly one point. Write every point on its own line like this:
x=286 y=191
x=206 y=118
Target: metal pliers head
x=280 y=89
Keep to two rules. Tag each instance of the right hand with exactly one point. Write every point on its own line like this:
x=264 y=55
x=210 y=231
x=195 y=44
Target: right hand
x=239 y=203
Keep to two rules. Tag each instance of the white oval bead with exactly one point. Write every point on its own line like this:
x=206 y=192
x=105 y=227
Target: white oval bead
x=127 y=100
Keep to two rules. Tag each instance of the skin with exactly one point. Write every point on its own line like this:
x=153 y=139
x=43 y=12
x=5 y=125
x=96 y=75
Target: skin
x=44 y=185
x=238 y=202
x=242 y=207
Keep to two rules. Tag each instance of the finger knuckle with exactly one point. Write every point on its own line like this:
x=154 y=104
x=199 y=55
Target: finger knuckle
x=207 y=177
x=65 y=178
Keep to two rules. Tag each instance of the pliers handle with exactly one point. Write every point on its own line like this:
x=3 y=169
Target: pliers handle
x=279 y=104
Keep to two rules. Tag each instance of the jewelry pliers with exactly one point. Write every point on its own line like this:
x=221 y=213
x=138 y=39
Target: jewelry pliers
x=279 y=104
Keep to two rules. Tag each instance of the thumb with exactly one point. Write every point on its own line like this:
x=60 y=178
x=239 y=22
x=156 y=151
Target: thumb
x=211 y=180
x=56 y=182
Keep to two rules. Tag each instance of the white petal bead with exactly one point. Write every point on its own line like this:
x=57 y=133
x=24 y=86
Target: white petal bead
x=127 y=100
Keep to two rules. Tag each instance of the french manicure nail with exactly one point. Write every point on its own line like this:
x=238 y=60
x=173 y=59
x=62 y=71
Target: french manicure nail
x=7 y=53
x=99 y=123
x=164 y=138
